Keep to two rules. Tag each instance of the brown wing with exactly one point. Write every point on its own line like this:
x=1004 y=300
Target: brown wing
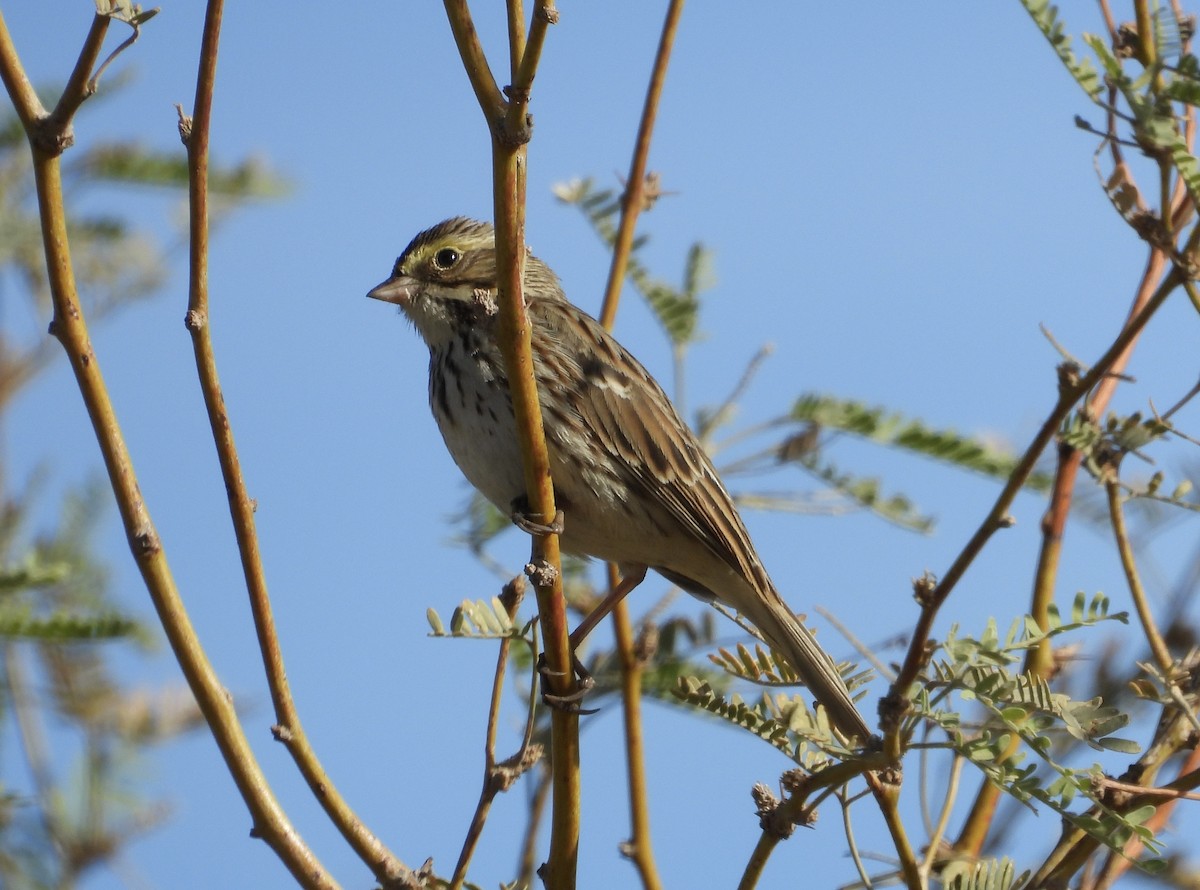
x=632 y=418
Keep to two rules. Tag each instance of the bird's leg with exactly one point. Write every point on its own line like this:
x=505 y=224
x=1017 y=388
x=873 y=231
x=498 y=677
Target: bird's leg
x=629 y=580
x=523 y=519
x=569 y=702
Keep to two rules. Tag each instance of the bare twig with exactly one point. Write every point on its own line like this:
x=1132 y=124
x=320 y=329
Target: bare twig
x=497 y=778
x=288 y=728
x=70 y=327
x=640 y=848
x=1070 y=393
x=510 y=129
x=632 y=200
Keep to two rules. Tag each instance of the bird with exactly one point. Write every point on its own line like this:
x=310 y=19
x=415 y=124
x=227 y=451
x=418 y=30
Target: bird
x=634 y=484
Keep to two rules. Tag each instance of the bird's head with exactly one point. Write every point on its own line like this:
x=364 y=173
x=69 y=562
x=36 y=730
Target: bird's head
x=446 y=278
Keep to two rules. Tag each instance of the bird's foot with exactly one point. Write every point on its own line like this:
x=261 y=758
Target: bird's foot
x=569 y=702
x=524 y=519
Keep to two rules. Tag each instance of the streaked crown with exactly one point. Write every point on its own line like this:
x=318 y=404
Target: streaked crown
x=445 y=280
x=459 y=251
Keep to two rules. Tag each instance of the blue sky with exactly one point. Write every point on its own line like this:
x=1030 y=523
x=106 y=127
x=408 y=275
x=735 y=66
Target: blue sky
x=896 y=198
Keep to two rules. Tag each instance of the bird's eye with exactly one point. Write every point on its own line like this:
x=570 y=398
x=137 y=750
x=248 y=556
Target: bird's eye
x=446 y=257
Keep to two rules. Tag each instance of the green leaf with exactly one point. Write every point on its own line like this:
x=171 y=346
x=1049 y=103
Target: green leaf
x=435 y=623
x=676 y=308
x=1045 y=16
x=783 y=721
x=33 y=573
x=64 y=627
x=865 y=492
x=896 y=431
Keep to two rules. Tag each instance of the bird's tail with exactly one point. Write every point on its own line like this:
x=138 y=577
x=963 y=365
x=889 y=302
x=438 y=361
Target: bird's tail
x=788 y=635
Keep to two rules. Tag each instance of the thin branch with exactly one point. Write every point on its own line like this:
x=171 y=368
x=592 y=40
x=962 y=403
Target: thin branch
x=1168 y=793
x=640 y=848
x=516 y=36
x=496 y=778
x=1070 y=393
x=632 y=200
x=851 y=841
x=1116 y=864
x=1116 y=515
x=469 y=48
x=509 y=132
x=24 y=98
x=288 y=728
x=32 y=741
x=796 y=808
x=860 y=647
x=1077 y=845
x=752 y=873
x=633 y=658
x=935 y=838
x=887 y=795
x=81 y=84
x=517 y=124
x=70 y=327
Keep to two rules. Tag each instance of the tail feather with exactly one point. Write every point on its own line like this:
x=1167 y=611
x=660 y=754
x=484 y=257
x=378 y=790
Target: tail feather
x=787 y=634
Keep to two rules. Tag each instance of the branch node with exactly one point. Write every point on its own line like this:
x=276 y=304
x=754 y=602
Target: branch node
x=194 y=320
x=281 y=733
x=505 y=774
x=517 y=134
x=541 y=572
x=185 y=124
x=146 y=542
x=516 y=94
x=547 y=14
x=1068 y=378
x=924 y=589
x=893 y=708
x=772 y=818
x=50 y=137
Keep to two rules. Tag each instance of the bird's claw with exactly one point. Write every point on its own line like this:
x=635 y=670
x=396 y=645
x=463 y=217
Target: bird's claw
x=570 y=701
x=523 y=519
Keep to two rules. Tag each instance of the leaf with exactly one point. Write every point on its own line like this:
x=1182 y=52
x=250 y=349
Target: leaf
x=990 y=874
x=132 y=162
x=435 y=623
x=477 y=619
x=783 y=721
x=65 y=627
x=1045 y=16
x=895 y=431
x=677 y=309
x=865 y=492
x=1122 y=746
x=33 y=573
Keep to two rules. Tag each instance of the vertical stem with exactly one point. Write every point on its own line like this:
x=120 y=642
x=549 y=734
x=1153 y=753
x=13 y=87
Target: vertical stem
x=1154 y=638
x=631 y=666
x=288 y=728
x=641 y=847
x=632 y=199
x=508 y=172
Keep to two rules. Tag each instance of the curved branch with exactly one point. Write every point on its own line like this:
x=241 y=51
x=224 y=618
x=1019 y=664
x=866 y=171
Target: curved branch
x=288 y=729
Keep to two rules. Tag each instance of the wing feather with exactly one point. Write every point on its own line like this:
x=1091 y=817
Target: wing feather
x=659 y=456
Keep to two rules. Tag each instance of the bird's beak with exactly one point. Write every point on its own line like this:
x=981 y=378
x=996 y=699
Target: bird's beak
x=398 y=289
